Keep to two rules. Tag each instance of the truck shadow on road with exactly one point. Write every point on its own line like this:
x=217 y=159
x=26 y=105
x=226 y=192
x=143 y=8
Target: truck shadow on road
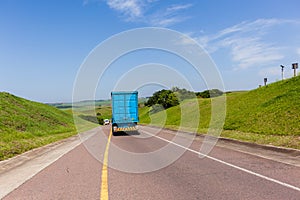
x=126 y=133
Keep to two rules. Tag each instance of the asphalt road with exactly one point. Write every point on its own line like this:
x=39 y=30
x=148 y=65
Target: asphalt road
x=149 y=166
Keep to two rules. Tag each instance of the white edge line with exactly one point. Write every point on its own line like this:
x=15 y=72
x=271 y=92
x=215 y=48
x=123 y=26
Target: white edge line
x=260 y=156
x=228 y=164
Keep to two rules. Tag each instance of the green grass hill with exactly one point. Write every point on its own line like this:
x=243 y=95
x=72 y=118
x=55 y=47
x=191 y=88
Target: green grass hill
x=25 y=125
x=267 y=115
x=273 y=109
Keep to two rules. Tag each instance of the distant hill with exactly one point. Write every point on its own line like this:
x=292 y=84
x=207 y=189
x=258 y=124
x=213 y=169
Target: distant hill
x=80 y=104
x=87 y=103
x=26 y=124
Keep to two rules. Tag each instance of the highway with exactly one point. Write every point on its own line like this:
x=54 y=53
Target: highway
x=157 y=164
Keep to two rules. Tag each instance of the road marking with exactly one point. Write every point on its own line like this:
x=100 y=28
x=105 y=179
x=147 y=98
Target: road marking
x=104 y=185
x=228 y=164
x=260 y=156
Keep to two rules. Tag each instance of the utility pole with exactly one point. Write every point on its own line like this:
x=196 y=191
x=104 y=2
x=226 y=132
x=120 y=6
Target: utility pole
x=294 y=67
x=282 y=71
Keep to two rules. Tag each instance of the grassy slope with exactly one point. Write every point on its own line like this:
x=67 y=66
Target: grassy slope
x=25 y=125
x=268 y=115
x=273 y=109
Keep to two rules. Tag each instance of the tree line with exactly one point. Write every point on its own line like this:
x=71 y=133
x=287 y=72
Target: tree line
x=164 y=99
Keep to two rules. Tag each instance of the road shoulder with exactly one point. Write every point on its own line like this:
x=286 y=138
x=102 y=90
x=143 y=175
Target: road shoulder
x=17 y=170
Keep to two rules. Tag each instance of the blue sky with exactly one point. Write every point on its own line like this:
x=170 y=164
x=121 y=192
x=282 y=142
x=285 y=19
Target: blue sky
x=44 y=43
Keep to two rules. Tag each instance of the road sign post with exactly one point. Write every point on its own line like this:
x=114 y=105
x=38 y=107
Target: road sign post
x=282 y=71
x=295 y=67
x=265 y=81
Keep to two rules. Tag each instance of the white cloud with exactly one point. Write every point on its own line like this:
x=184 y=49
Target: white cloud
x=164 y=22
x=174 y=8
x=251 y=51
x=130 y=8
x=248 y=43
x=168 y=16
x=185 y=40
x=137 y=11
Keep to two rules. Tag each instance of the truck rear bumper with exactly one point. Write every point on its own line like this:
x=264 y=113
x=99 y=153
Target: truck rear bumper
x=124 y=127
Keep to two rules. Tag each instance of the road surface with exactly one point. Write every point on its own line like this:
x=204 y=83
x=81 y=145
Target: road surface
x=149 y=165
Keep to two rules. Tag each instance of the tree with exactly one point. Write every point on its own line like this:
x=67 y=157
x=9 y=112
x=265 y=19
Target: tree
x=166 y=98
x=209 y=93
x=183 y=93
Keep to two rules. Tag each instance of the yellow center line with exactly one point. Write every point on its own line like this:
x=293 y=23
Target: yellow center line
x=104 y=185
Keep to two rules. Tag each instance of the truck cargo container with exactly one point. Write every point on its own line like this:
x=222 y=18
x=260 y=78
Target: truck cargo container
x=124 y=111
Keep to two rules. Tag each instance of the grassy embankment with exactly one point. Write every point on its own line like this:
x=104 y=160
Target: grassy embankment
x=267 y=115
x=25 y=125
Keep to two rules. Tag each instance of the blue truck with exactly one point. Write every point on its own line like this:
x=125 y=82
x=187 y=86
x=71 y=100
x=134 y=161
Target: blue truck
x=125 y=114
